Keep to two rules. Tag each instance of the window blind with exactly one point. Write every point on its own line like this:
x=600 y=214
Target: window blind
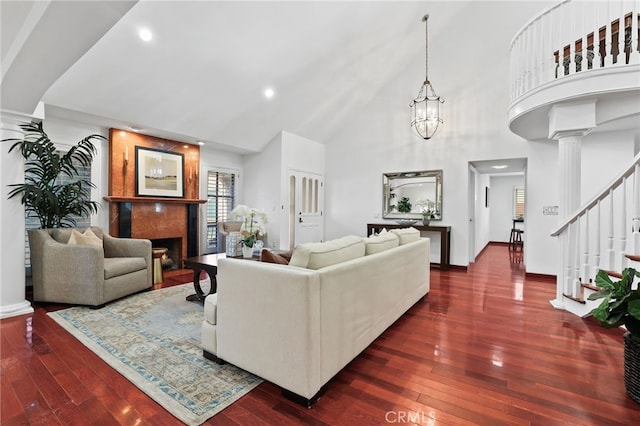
x=221 y=189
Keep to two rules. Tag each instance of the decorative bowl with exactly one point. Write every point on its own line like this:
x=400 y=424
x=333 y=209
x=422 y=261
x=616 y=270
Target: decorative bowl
x=406 y=222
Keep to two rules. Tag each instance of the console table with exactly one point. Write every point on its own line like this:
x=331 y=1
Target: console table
x=445 y=238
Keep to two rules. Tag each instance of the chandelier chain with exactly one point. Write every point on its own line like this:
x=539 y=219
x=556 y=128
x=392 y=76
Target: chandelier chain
x=426 y=38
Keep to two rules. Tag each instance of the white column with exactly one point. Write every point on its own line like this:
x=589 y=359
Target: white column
x=568 y=124
x=12 y=224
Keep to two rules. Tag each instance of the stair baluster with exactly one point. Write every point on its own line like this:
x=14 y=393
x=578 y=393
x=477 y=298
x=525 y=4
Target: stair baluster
x=586 y=272
x=623 y=220
x=610 y=251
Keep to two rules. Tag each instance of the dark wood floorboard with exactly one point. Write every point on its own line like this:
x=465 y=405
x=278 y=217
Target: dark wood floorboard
x=484 y=348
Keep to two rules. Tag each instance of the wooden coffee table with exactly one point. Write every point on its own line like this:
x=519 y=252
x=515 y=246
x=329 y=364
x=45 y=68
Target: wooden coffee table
x=209 y=264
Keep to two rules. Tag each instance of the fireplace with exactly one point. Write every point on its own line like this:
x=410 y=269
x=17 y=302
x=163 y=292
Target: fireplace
x=174 y=251
x=167 y=223
x=168 y=219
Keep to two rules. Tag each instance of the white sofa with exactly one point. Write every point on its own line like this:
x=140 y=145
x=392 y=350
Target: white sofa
x=298 y=326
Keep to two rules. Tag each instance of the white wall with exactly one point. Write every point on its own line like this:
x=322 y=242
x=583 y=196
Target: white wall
x=603 y=156
x=482 y=213
x=378 y=138
x=261 y=185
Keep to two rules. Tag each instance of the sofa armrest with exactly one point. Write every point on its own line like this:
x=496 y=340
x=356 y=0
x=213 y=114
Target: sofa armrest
x=271 y=310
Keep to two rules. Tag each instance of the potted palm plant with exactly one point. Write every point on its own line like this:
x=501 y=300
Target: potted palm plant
x=54 y=201
x=621 y=306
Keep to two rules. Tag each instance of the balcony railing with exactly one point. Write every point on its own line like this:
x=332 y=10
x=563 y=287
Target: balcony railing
x=574 y=37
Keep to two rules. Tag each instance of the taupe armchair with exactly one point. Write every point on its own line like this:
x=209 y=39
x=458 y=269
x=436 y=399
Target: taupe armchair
x=87 y=274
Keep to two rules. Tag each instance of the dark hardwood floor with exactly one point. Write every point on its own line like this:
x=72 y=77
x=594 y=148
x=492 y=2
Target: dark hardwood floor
x=485 y=347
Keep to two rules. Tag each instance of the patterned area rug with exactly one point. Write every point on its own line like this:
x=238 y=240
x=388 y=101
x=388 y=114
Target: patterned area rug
x=153 y=339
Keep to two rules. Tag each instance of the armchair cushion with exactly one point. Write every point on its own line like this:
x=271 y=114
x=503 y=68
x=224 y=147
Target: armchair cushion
x=116 y=266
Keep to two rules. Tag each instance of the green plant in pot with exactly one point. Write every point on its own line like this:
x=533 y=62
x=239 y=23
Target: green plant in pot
x=54 y=201
x=404 y=205
x=621 y=306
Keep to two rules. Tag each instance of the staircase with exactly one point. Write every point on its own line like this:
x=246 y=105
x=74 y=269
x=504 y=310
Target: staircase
x=603 y=234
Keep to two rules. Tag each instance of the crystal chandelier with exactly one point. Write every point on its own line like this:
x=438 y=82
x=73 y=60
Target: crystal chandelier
x=425 y=108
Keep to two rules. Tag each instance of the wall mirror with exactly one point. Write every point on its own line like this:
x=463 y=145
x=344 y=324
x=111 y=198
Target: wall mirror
x=405 y=195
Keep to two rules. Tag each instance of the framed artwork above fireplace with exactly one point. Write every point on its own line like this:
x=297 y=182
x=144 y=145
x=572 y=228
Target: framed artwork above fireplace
x=159 y=173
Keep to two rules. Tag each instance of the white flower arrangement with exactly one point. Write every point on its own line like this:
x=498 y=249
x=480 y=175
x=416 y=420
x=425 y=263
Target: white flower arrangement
x=427 y=208
x=253 y=221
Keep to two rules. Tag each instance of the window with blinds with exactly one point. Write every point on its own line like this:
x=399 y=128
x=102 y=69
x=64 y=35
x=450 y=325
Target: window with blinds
x=221 y=190
x=518 y=202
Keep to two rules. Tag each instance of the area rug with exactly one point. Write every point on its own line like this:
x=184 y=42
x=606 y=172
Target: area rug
x=153 y=339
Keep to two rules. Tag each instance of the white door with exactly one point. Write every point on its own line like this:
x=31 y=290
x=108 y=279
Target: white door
x=306 y=207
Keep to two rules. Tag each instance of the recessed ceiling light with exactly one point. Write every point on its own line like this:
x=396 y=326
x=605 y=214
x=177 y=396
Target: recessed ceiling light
x=269 y=92
x=501 y=166
x=200 y=143
x=145 y=34
x=185 y=146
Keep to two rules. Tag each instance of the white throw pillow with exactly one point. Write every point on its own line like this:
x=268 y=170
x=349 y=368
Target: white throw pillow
x=407 y=235
x=319 y=255
x=381 y=242
x=88 y=237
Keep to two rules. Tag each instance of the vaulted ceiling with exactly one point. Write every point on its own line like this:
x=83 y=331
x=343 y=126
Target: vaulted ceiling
x=203 y=74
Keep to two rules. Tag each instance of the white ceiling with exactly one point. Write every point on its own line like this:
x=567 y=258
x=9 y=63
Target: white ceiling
x=514 y=165
x=203 y=74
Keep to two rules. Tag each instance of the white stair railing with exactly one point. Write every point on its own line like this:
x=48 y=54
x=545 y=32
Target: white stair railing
x=583 y=231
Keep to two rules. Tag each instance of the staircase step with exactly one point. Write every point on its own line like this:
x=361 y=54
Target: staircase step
x=590 y=286
x=634 y=257
x=575 y=299
x=614 y=274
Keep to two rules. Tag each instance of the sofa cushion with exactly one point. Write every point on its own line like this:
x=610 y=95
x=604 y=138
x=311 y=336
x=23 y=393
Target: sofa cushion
x=85 y=238
x=271 y=257
x=407 y=235
x=381 y=242
x=319 y=255
x=211 y=308
x=116 y=266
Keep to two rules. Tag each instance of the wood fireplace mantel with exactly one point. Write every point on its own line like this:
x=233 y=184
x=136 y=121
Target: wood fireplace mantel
x=116 y=199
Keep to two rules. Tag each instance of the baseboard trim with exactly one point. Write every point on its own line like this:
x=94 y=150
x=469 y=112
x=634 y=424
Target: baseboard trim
x=541 y=277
